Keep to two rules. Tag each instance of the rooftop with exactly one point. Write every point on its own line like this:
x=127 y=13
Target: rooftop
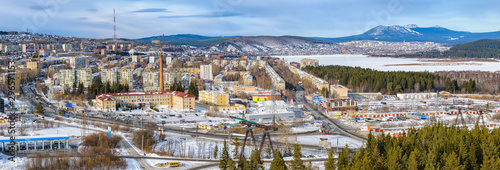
x=176 y=93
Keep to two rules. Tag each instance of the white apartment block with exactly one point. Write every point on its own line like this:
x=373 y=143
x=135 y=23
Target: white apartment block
x=206 y=72
x=84 y=76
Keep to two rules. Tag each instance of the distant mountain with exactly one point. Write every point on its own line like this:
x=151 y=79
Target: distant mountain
x=189 y=39
x=412 y=32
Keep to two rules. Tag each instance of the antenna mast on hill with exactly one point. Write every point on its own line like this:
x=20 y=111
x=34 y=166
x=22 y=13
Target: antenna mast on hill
x=114 y=25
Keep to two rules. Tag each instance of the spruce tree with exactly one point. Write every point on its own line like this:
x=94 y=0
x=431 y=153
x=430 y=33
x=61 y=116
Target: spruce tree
x=343 y=160
x=236 y=143
x=330 y=161
x=255 y=160
x=452 y=162
x=225 y=160
x=297 y=163
x=216 y=150
x=278 y=163
x=490 y=155
x=243 y=164
x=413 y=160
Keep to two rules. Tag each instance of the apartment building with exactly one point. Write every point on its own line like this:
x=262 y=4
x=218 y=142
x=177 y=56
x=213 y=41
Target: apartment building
x=84 y=76
x=214 y=97
x=67 y=77
x=308 y=62
x=206 y=72
x=76 y=62
x=123 y=76
x=278 y=82
x=176 y=100
x=32 y=65
x=191 y=70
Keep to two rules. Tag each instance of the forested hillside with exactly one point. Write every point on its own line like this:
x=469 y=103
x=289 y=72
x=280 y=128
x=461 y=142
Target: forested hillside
x=487 y=48
x=368 y=80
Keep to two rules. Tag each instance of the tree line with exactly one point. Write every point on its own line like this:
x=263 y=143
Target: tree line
x=364 y=79
x=487 y=48
x=97 y=87
x=369 y=80
x=431 y=147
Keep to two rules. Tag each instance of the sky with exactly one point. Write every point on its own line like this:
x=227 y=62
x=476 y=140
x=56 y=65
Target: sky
x=311 y=18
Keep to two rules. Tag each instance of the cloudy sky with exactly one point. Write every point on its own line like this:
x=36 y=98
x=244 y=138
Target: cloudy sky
x=325 y=18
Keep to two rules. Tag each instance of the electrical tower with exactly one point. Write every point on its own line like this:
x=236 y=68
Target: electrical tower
x=460 y=115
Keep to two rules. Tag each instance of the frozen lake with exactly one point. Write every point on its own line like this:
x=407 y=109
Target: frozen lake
x=399 y=64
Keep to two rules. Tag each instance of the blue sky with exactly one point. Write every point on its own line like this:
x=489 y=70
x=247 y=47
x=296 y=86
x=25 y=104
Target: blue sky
x=312 y=18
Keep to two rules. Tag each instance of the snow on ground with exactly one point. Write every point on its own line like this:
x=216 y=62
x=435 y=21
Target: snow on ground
x=6 y=164
x=182 y=164
x=63 y=130
x=310 y=128
x=132 y=164
x=343 y=140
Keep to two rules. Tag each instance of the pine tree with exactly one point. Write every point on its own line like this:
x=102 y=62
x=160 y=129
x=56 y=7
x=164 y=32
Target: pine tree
x=393 y=158
x=191 y=89
x=225 y=160
x=39 y=108
x=490 y=155
x=297 y=163
x=278 y=163
x=231 y=165
x=255 y=160
x=413 y=160
x=216 y=150
x=244 y=164
x=343 y=160
x=330 y=161
x=236 y=143
x=472 y=161
x=452 y=162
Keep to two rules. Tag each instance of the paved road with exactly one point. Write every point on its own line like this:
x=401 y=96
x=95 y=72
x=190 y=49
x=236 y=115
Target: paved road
x=299 y=95
x=134 y=155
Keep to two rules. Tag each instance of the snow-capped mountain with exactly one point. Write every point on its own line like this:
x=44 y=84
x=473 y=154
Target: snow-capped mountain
x=413 y=32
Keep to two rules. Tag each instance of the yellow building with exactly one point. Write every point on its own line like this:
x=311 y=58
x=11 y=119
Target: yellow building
x=32 y=65
x=241 y=89
x=106 y=103
x=235 y=107
x=214 y=98
x=176 y=100
x=339 y=91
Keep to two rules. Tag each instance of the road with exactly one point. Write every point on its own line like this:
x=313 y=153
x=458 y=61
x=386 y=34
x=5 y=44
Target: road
x=299 y=96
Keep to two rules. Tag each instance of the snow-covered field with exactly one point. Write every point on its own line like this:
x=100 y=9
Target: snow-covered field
x=63 y=130
x=342 y=140
x=6 y=164
x=379 y=63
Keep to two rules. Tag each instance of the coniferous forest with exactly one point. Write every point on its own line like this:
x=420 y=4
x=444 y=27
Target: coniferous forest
x=369 y=80
x=432 y=147
x=487 y=48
